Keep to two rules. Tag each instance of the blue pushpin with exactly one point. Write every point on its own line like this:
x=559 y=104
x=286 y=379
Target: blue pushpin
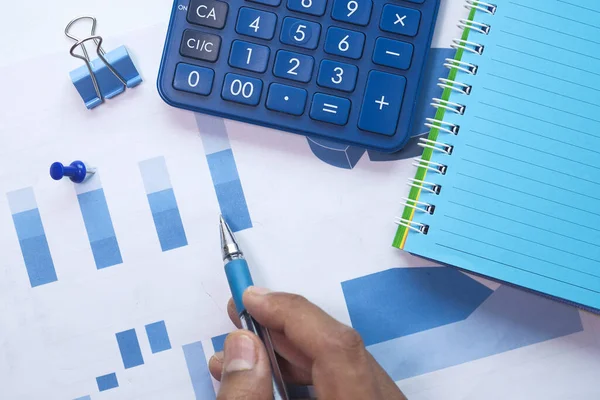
x=77 y=171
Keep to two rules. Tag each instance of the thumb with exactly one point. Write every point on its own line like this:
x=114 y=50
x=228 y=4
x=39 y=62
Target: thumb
x=246 y=369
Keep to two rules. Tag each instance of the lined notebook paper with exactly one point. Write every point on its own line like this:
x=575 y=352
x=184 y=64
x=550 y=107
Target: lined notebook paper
x=519 y=191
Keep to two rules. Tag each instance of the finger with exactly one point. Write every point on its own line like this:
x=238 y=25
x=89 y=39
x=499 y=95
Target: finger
x=312 y=331
x=233 y=314
x=286 y=350
x=246 y=370
x=291 y=373
x=215 y=365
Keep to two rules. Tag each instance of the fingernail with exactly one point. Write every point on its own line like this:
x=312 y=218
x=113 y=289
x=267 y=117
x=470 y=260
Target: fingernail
x=219 y=355
x=240 y=353
x=255 y=290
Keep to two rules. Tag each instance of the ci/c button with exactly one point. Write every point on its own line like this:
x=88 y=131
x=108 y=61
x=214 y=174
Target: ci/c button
x=201 y=46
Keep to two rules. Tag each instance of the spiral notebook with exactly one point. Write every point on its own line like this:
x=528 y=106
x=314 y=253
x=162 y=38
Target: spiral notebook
x=508 y=185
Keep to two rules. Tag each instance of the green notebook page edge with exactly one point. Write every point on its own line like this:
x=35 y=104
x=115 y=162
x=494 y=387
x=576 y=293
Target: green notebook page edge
x=415 y=193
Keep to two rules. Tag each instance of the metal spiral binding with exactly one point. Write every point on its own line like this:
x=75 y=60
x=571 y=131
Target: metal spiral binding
x=456 y=86
x=466 y=67
x=443 y=126
x=476 y=26
x=419 y=206
x=481 y=6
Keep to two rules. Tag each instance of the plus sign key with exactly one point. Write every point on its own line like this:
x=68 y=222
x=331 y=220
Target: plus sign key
x=401 y=20
x=382 y=103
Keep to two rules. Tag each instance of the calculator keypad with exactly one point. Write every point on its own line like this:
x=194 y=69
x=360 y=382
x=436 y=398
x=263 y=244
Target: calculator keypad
x=342 y=69
x=301 y=33
x=294 y=66
x=256 y=23
x=356 y=12
x=210 y=13
x=201 y=46
x=249 y=56
x=344 y=43
x=286 y=99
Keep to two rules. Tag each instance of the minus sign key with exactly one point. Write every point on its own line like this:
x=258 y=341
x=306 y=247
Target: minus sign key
x=393 y=53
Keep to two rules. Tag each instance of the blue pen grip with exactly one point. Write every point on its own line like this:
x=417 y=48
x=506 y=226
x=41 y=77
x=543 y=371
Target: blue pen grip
x=238 y=276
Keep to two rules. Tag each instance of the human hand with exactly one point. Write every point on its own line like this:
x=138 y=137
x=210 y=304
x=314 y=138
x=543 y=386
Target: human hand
x=313 y=348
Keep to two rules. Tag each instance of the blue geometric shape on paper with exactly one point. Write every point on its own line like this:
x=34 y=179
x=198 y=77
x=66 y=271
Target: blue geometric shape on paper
x=158 y=337
x=403 y=301
x=509 y=319
x=107 y=382
x=84 y=398
x=219 y=342
x=224 y=173
x=32 y=237
x=99 y=227
x=344 y=156
x=198 y=371
x=106 y=252
x=129 y=346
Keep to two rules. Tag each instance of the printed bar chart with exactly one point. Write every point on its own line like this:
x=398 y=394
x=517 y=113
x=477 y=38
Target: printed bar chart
x=158 y=337
x=223 y=170
x=106 y=382
x=163 y=204
x=98 y=223
x=129 y=346
x=32 y=238
x=198 y=370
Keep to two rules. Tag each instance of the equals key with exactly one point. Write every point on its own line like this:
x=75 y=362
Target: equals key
x=200 y=45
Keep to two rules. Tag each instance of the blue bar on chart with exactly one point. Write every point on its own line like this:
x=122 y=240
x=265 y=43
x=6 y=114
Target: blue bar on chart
x=129 y=346
x=32 y=238
x=198 y=370
x=218 y=342
x=163 y=204
x=223 y=170
x=106 y=382
x=98 y=223
x=158 y=337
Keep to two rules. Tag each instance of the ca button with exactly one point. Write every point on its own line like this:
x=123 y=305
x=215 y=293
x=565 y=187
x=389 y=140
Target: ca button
x=209 y=13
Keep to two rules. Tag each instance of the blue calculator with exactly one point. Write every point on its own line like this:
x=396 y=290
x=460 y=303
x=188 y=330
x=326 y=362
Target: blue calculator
x=344 y=70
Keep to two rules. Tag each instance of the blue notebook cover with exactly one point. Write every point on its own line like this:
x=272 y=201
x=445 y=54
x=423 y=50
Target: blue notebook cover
x=509 y=183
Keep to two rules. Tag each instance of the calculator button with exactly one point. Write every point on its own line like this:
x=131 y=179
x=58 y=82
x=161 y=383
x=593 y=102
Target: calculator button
x=331 y=109
x=402 y=20
x=194 y=79
x=345 y=43
x=286 y=99
x=301 y=33
x=356 y=12
x=256 y=23
x=242 y=89
x=393 y=53
x=312 y=7
x=294 y=66
x=274 y=3
x=199 y=45
x=337 y=75
x=382 y=103
x=209 y=13
x=249 y=56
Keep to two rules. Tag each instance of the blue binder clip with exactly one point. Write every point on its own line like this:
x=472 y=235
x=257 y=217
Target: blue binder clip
x=104 y=77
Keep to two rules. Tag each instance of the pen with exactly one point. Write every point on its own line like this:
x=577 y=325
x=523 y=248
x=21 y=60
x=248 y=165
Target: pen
x=239 y=278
